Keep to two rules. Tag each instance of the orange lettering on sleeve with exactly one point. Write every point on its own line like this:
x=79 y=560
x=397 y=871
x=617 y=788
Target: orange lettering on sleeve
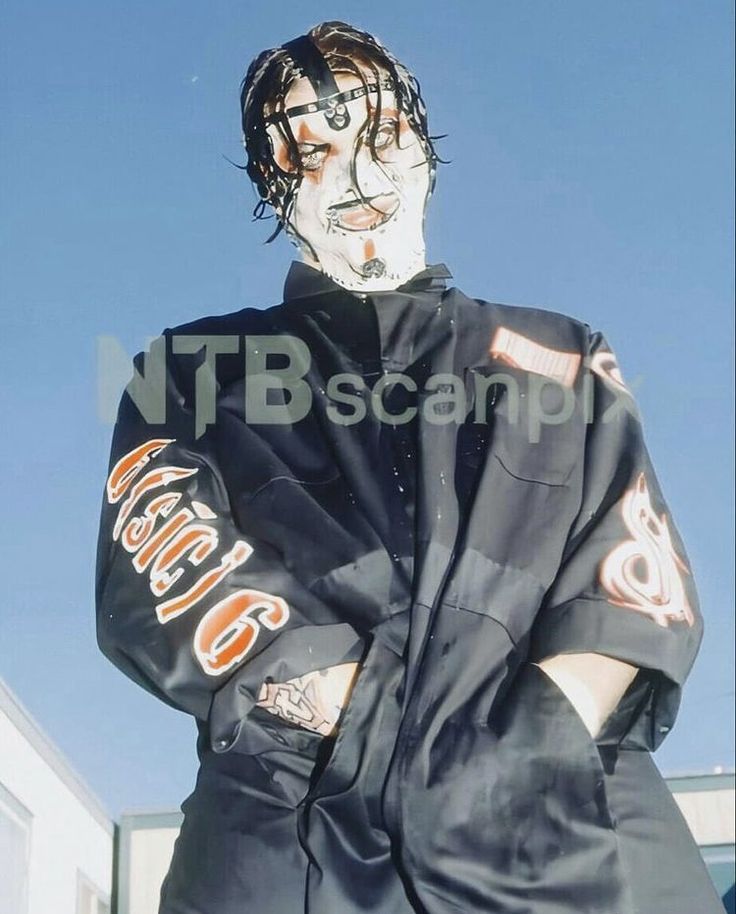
x=229 y=630
x=197 y=539
x=143 y=558
x=130 y=465
x=174 y=607
x=153 y=480
x=139 y=528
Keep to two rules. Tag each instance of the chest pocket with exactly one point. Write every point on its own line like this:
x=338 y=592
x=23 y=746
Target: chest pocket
x=528 y=486
x=538 y=428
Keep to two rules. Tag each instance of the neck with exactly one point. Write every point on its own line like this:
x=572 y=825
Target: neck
x=391 y=281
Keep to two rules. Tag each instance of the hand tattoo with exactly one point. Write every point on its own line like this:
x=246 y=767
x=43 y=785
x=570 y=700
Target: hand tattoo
x=313 y=701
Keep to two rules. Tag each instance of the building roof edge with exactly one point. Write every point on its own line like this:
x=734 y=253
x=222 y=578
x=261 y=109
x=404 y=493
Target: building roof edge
x=26 y=724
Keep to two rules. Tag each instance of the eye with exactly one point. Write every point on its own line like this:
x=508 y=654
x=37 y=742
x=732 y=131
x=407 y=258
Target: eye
x=312 y=157
x=387 y=134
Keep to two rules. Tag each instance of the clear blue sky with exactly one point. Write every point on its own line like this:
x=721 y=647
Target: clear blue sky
x=591 y=148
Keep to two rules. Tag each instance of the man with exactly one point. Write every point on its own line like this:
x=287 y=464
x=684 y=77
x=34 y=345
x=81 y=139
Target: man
x=403 y=556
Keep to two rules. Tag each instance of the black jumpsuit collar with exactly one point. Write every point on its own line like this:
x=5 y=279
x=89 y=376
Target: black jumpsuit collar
x=303 y=282
x=391 y=329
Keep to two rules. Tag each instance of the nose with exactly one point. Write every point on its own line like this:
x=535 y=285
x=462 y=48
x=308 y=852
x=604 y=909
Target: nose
x=371 y=175
x=358 y=174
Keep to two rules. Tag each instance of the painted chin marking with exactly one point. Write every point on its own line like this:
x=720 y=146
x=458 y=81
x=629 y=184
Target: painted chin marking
x=373 y=269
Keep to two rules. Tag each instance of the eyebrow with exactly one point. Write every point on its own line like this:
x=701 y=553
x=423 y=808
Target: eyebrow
x=386 y=112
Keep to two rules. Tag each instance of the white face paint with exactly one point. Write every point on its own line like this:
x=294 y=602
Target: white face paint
x=362 y=219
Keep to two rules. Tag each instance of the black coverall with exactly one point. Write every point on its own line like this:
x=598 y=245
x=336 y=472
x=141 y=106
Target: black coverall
x=505 y=516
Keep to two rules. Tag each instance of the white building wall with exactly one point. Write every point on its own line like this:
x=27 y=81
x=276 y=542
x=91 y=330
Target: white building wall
x=710 y=814
x=69 y=831
x=146 y=848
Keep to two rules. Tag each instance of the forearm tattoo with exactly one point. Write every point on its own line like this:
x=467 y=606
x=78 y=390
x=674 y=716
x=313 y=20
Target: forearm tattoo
x=313 y=701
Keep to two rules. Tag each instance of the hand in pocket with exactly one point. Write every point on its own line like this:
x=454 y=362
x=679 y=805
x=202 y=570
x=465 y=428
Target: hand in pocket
x=314 y=701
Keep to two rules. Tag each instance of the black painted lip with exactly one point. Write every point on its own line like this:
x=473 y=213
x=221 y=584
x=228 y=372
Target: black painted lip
x=368 y=215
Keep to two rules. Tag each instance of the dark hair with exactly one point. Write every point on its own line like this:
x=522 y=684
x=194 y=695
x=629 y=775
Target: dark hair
x=267 y=82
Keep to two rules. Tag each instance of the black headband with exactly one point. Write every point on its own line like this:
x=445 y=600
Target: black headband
x=334 y=103
x=309 y=59
x=307 y=56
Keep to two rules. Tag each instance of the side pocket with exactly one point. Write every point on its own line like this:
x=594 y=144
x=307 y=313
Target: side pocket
x=551 y=821
x=572 y=712
x=540 y=725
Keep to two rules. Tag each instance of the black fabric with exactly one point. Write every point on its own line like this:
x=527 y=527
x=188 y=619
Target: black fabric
x=447 y=557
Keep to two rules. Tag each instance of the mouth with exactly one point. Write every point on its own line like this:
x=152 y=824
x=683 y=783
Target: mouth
x=363 y=216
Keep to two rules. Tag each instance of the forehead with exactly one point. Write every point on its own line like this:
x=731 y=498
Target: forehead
x=301 y=91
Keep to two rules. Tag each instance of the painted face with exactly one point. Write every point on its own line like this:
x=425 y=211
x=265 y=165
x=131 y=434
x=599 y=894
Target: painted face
x=357 y=218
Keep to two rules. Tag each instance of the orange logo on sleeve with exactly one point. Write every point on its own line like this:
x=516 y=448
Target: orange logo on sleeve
x=645 y=573
x=159 y=542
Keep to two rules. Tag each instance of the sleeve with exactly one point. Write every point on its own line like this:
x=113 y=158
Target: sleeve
x=625 y=587
x=190 y=600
